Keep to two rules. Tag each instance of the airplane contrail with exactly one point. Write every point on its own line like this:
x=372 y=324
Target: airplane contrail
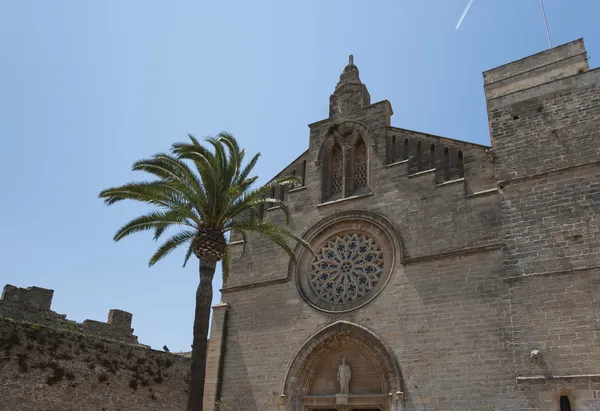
x=464 y=14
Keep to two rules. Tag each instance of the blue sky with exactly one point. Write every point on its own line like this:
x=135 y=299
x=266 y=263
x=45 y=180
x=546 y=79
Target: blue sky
x=88 y=87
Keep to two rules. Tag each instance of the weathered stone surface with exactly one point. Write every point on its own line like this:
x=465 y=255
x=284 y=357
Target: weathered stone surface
x=46 y=369
x=33 y=305
x=499 y=255
x=490 y=254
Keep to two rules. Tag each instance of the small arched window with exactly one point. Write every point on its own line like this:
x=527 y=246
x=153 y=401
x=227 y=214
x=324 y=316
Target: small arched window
x=304 y=173
x=337 y=170
x=461 y=165
x=281 y=192
x=360 y=165
x=406 y=148
x=419 y=156
x=393 y=152
x=293 y=185
x=432 y=156
x=446 y=164
x=565 y=404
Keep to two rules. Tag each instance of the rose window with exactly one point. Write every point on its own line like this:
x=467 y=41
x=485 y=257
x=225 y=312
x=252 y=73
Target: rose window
x=346 y=268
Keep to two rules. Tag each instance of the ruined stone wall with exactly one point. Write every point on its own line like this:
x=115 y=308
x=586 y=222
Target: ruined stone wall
x=49 y=363
x=33 y=305
x=48 y=369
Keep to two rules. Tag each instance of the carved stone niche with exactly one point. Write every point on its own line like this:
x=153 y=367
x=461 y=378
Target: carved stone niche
x=366 y=385
x=312 y=379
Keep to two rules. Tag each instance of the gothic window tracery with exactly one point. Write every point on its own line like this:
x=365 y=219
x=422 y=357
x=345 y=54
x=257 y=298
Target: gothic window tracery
x=337 y=165
x=346 y=268
x=360 y=166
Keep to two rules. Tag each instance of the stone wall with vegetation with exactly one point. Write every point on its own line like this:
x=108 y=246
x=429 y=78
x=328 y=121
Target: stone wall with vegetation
x=49 y=363
x=42 y=368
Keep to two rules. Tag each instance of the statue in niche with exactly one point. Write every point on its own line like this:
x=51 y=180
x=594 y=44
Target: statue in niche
x=343 y=376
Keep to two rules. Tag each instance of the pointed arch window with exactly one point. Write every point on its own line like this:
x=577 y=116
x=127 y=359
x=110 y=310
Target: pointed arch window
x=446 y=164
x=303 y=173
x=565 y=404
x=360 y=165
x=337 y=170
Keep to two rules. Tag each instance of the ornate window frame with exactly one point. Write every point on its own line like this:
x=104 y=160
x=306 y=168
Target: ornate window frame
x=348 y=135
x=360 y=221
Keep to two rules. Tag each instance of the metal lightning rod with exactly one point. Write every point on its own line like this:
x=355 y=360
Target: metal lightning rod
x=546 y=23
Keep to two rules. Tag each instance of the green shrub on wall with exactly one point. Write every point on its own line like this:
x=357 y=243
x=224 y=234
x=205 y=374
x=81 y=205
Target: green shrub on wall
x=222 y=406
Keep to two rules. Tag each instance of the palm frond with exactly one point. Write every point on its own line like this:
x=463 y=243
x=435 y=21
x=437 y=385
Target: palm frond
x=171 y=244
x=203 y=185
x=155 y=193
x=153 y=221
x=276 y=233
x=188 y=254
x=177 y=173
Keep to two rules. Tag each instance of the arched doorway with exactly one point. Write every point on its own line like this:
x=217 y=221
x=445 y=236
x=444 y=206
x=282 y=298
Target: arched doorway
x=344 y=367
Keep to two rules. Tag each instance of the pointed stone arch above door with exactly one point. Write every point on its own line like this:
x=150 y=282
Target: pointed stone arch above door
x=311 y=382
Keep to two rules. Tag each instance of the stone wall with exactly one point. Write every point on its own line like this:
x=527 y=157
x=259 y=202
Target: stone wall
x=32 y=304
x=499 y=252
x=545 y=121
x=43 y=368
x=50 y=363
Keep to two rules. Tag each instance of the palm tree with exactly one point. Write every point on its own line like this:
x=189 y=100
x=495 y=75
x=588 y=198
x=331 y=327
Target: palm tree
x=205 y=205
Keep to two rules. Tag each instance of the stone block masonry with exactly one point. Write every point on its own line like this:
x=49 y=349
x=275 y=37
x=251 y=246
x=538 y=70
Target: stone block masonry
x=49 y=363
x=33 y=305
x=48 y=369
x=490 y=293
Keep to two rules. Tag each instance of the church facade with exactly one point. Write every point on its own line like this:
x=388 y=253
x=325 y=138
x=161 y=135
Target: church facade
x=445 y=274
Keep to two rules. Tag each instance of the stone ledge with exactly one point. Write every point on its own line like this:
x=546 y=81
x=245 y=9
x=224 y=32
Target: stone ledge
x=541 y=379
x=422 y=173
x=293 y=190
x=446 y=183
x=397 y=163
x=453 y=253
x=341 y=200
x=483 y=193
x=264 y=283
x=551 y=273
x=549 y=173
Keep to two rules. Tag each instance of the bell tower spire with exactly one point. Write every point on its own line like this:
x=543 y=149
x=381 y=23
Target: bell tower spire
x=350 y=93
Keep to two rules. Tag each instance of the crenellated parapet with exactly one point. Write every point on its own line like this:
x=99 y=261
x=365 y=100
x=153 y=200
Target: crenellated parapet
x=33 y=305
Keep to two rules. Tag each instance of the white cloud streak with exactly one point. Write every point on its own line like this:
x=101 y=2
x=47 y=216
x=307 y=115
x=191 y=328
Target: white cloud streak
x=464 y=14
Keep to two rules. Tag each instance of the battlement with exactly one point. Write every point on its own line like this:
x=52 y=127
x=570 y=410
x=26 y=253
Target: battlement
x=33 y=304
x=31 y=297
x=548 y=66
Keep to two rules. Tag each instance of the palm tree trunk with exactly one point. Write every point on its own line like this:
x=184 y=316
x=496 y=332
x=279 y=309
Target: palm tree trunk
x=201 y=318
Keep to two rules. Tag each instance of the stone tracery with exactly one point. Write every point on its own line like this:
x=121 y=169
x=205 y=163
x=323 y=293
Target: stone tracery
x=346 y=268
